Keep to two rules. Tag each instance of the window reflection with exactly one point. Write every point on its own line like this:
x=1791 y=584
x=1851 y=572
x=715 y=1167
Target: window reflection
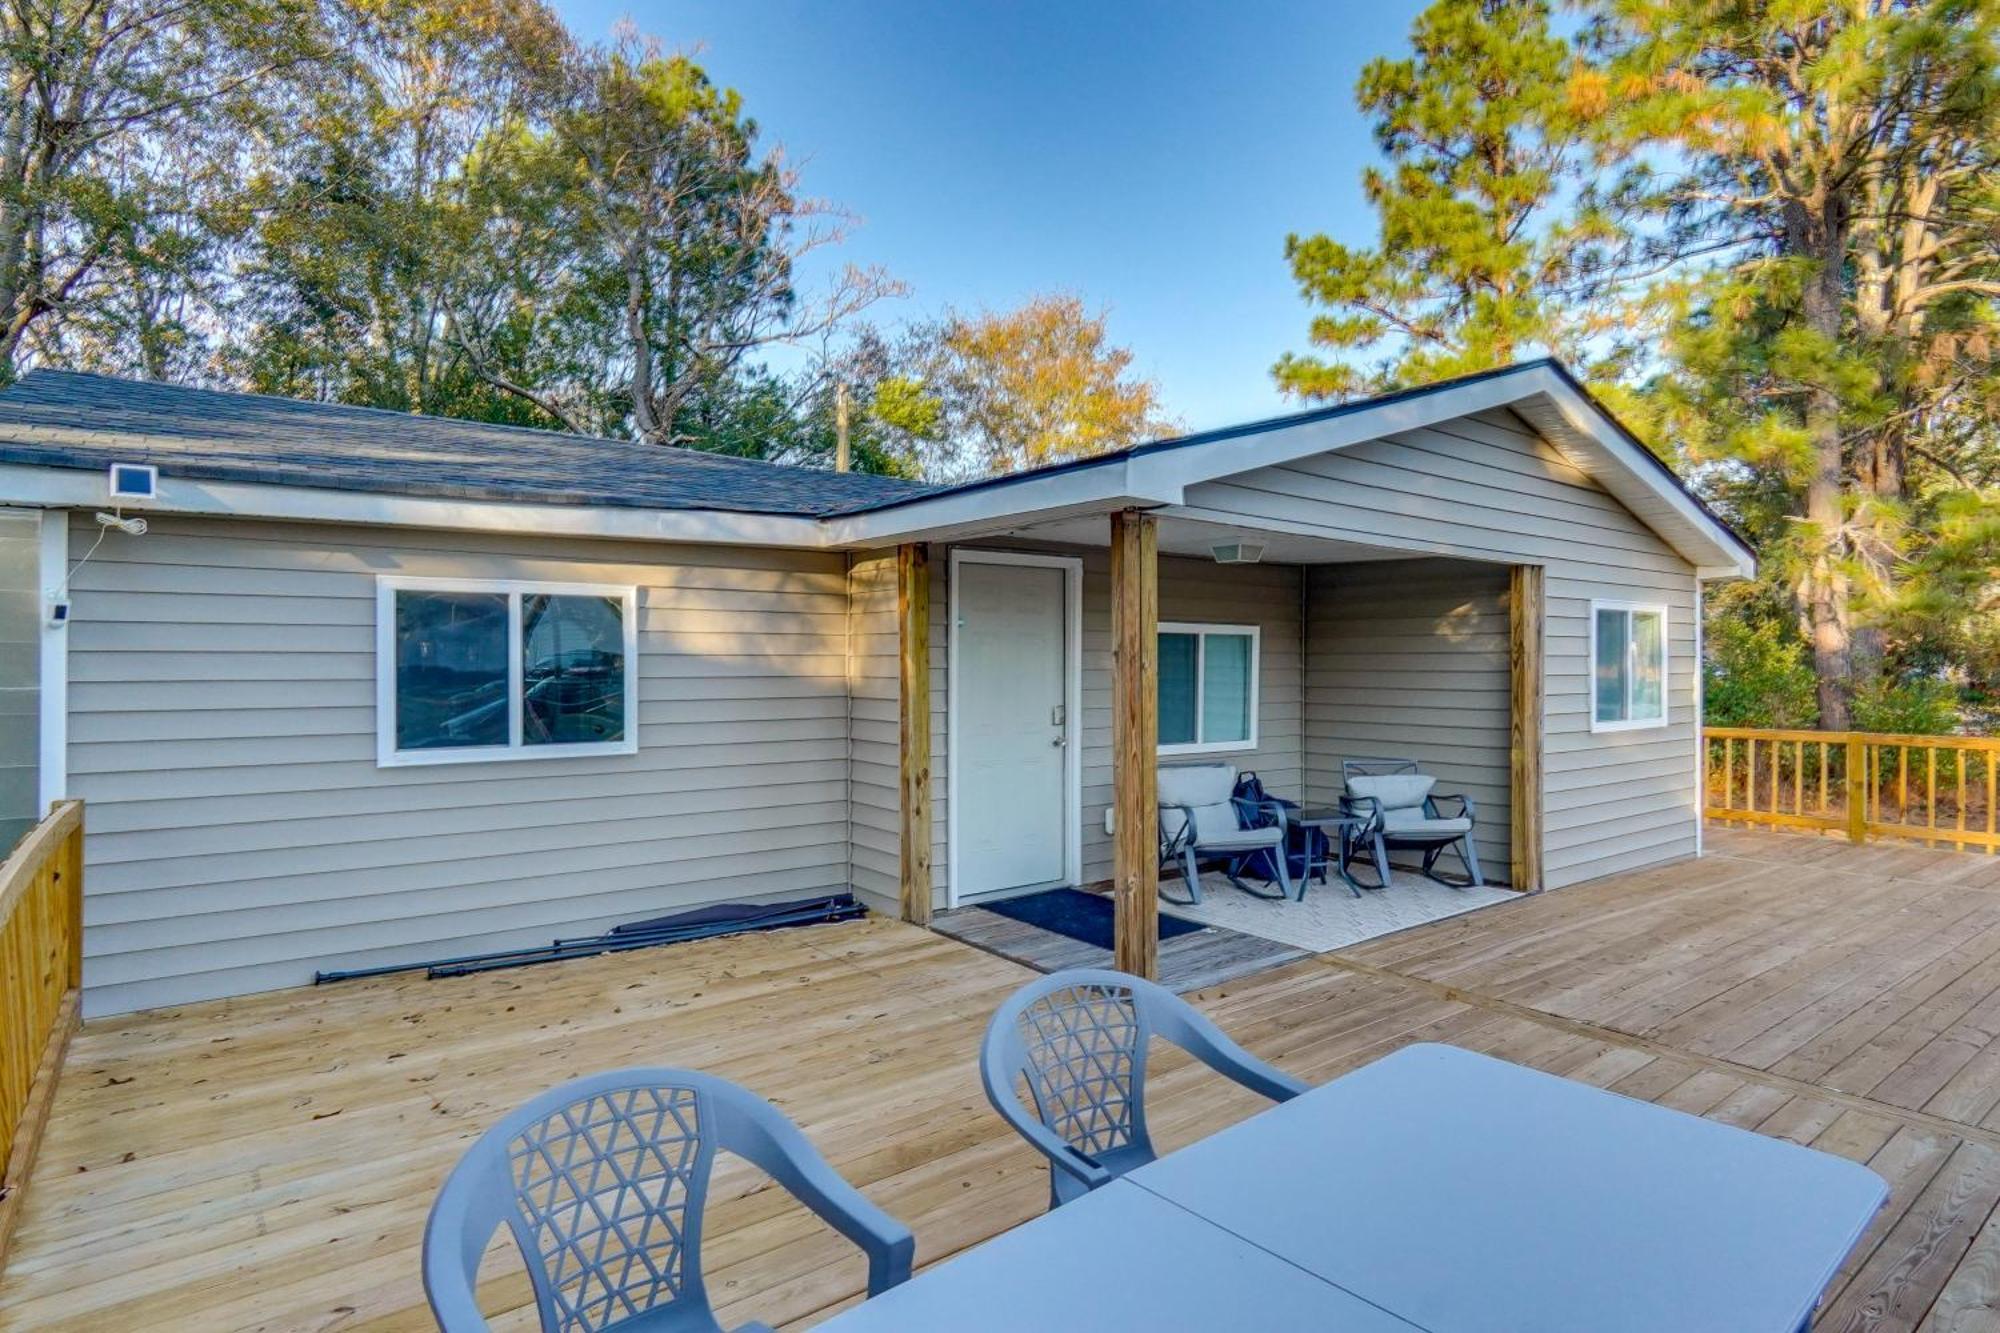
x=1225 y=676
x=1177 y=687
x=572 y=670
x=1611 y=665
x=1649 y=653
x=451 y=669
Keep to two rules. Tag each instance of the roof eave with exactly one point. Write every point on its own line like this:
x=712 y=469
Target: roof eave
x=66 y=488
x=1150 y=476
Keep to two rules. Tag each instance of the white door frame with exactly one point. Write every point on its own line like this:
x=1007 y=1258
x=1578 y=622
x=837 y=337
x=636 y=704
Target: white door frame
x=1072 y=567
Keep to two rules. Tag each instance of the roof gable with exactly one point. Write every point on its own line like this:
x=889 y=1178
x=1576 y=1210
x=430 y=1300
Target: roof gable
x=1159 y=473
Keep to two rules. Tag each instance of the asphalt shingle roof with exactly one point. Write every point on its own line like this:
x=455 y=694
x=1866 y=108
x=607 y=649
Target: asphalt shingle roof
x=53 y=418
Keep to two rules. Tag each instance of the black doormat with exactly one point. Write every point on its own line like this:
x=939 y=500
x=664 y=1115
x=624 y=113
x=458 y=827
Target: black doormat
x=1077 y=915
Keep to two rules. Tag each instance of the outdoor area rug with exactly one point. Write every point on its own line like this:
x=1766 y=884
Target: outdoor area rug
x=1331 y=918
x=1076 y=915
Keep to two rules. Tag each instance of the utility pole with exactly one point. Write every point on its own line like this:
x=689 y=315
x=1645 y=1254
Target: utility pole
x=841 y=459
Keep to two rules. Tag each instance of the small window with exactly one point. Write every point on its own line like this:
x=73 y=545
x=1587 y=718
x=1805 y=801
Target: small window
x=1628 y=653
x=1208 y=688
x=474 y=670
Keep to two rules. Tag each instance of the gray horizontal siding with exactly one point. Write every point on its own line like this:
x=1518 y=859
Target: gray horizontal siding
x=1408 y=659
x=223 y=731
x=1489 y=489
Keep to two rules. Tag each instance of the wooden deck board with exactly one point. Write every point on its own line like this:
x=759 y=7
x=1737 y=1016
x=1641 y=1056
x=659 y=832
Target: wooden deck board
x=267 y=1163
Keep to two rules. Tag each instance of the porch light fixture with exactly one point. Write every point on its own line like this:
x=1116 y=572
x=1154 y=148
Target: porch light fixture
x=1238 y=552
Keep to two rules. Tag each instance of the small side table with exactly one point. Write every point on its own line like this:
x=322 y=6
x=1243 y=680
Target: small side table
x=1342 y=831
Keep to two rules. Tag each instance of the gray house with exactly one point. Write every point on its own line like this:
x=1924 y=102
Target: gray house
x=370 y=688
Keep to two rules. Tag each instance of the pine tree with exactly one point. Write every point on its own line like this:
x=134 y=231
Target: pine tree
x=1832 y=170
x=1482 y=254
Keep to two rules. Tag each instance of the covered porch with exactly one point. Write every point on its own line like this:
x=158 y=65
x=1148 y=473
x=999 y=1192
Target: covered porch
x=1046 y=679
x=1422 y=577
x=267 y=1162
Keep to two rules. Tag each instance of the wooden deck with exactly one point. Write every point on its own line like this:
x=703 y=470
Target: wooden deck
x=267 y=1163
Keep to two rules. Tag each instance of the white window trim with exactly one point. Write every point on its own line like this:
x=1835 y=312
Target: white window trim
x=1631 y=675
x=1255 y=634
x=386 y=753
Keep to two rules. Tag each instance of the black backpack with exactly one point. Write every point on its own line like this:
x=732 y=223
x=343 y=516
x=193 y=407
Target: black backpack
x=1306 y=845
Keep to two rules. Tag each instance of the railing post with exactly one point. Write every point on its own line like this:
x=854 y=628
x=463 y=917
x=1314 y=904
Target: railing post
x=1857 y=789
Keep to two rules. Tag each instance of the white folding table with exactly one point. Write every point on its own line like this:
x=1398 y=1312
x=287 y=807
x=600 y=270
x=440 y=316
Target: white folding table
x=1434 y=1189
x=1469 y=1194
x=1117 y=1258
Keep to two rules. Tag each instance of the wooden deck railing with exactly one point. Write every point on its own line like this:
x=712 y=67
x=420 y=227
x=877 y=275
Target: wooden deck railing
x=41 y=970
x=1936 y=789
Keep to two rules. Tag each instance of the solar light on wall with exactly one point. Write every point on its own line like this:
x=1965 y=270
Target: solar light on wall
x=134 y=481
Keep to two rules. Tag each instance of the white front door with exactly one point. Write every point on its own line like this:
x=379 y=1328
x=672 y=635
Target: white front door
x=1011 y=795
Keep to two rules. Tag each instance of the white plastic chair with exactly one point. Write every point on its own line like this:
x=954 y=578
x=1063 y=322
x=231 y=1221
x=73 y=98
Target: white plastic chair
x=602 y=1181
x=1078 y=1040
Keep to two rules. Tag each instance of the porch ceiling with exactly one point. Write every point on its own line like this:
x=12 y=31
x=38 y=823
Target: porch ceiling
x=1195 y=537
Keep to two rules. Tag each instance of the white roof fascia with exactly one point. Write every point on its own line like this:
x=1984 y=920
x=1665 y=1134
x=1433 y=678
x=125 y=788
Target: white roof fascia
x=72 y=488
x=1589 y=439
x=1035 y=498
x=1216 y=459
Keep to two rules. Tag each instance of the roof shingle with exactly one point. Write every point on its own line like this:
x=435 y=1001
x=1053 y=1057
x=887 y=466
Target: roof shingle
x=54 y=418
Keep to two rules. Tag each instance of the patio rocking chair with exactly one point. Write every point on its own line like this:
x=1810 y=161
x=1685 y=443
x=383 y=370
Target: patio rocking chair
x=1201 y=819
x=1410 y=816
x=1078 y=1039
x=602 y=1181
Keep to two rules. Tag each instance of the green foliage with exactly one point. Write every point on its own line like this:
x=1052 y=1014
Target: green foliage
x=433 y=206
x=1038 y=384
x=1918 y=707
x=1478 y=247
x=1756 y=675
x=1769 y=230
x=121 y=139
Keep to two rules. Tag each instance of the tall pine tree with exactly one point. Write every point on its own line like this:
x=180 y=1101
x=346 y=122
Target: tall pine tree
x=1481 y=252
x=1832 y=167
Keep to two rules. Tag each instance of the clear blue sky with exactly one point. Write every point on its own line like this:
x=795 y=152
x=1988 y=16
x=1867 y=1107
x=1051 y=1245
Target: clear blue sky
x=1148 y=157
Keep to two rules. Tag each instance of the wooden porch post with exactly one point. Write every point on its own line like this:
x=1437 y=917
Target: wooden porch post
x=1525 y=613
x=913 y=638
x=1135 y=731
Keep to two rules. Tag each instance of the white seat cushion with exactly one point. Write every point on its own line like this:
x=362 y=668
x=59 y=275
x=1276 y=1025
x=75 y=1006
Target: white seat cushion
x=1245 y=839
x=1204 y=790
x=1197 y=784
x=1394 y=791
x=1413 y=822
